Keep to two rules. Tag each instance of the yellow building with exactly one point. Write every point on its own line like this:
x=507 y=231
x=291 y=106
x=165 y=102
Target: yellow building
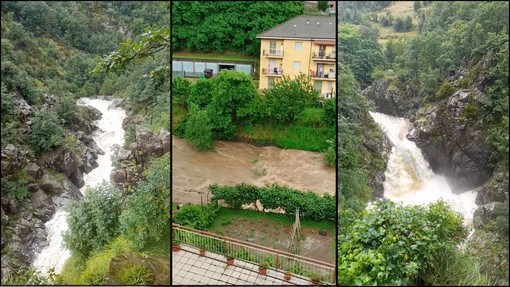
x=304 y=44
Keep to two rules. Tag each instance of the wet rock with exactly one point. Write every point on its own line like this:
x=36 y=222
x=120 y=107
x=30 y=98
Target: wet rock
x=452 y=138
x=486 y=213
x=497 y=187
x=142 y=134
x=34 y=171
x=390 y=99
x=51 y=185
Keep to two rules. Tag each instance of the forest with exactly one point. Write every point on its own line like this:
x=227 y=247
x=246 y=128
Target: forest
x=459 y=49
x=53 y=54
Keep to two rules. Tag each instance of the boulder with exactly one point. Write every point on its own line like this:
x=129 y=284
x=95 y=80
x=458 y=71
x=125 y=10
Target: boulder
x=51 y=185
x=34 y=171
x=142 y=134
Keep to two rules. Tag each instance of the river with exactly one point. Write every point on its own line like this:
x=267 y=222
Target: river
x=110 y=133
x=232 y=163
x=409 y=178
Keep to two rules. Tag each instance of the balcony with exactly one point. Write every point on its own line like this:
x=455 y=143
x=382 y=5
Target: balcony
x=272 y=72
x=272 y=54
x=323 y=57
x=331 y=76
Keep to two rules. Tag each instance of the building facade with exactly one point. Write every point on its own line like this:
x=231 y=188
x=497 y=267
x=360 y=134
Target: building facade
x=304 y=44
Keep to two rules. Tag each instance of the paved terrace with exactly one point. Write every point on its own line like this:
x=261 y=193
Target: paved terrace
x=188 y=268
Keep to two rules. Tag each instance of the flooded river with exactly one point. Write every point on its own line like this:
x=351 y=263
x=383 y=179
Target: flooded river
x=232 y=163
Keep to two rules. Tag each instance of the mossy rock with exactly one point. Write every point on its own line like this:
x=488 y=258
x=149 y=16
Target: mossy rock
x=155 y=270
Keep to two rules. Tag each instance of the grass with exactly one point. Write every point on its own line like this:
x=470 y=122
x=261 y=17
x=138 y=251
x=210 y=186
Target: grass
x=216 y=56
x=178 y=113
x=397 y=9
x=233 y=215
x=80 y=271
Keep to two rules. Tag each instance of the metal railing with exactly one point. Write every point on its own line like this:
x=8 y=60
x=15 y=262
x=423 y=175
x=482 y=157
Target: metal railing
x=272 y=53
x=275 y=259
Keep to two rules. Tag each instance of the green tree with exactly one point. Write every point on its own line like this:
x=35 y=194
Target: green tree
x=181 y=90
x=289 y=97
x=93 y=221
x=416 y=6
x=46 y=131
x=198 y=130
x=145 y=219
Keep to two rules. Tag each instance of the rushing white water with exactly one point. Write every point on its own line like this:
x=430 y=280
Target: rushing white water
x=109 y=134
x=409 y=178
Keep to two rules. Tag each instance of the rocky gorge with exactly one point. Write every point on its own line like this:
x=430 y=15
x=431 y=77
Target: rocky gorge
x=51 y=181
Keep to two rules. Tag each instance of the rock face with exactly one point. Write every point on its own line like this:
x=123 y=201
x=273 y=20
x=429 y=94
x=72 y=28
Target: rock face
x=376 y=150
x=52 y=181
x=452 y=138
x=132 y=162
x=158 y=266
x=393 y=100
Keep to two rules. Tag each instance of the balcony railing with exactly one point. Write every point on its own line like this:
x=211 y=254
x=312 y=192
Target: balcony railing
x=272 y=72
x=240 y=250
x=272 y=54
x=316 y=75
x=322 y=56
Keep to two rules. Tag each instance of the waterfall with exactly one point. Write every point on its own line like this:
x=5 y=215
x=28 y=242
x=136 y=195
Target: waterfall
x=408 y=177
x=110 y=133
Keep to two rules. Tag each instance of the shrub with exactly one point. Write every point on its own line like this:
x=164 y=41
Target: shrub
x=180 y=90
x=198 y=130
x=46 y=131
x=136 y=275
x=330 y=156
x=390 y=244
x=445 y=90
x=197 y=216
x=200 y=93
x=146 y=215
x=330 y=115
x=94 y=221
x=311 y=205
x=287 y=99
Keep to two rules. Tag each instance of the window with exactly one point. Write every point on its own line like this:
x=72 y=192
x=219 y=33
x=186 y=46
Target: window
x=270 y=83
x=318 y=86
x=298 y=46
x=272 y=47
x=297 y=66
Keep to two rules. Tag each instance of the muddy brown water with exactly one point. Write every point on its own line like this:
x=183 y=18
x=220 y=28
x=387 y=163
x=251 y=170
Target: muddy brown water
x=233 y=163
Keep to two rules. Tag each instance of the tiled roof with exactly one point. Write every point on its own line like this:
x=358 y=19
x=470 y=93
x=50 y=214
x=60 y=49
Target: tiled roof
x=304 y=26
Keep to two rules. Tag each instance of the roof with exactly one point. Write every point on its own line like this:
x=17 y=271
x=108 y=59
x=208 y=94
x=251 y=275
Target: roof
x=304 y=27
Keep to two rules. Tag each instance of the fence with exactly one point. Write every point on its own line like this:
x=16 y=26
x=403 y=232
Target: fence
x=276 y=259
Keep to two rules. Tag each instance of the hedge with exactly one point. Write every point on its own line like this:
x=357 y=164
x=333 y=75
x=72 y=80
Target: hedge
x=311 y=205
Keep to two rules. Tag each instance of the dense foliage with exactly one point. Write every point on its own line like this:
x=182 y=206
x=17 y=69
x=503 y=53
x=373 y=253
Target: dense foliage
x=223 y=26
x=94 y=221
x=145 y=218
x=390 y=244
x=289 y=112
x=311 y=205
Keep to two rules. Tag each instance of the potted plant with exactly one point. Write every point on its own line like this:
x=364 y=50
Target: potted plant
x=315 y=278
x=201 y=246
x=287 y=276
x=263 y=268
x=230 y=258
x=176 y=245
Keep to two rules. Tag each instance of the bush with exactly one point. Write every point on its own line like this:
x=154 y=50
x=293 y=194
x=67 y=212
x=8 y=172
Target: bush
x=311 y=205
x=180 y=90
x=390 y=244
x=198 y=130
x=445 y=90
x=197 y=216
x=330 y=115
x=46 y=131
x=146 y=215
x=136 y=275
x=287 y=99
x=94 y=221
x=200 y=93
x=330 y=156
x=16 y=185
